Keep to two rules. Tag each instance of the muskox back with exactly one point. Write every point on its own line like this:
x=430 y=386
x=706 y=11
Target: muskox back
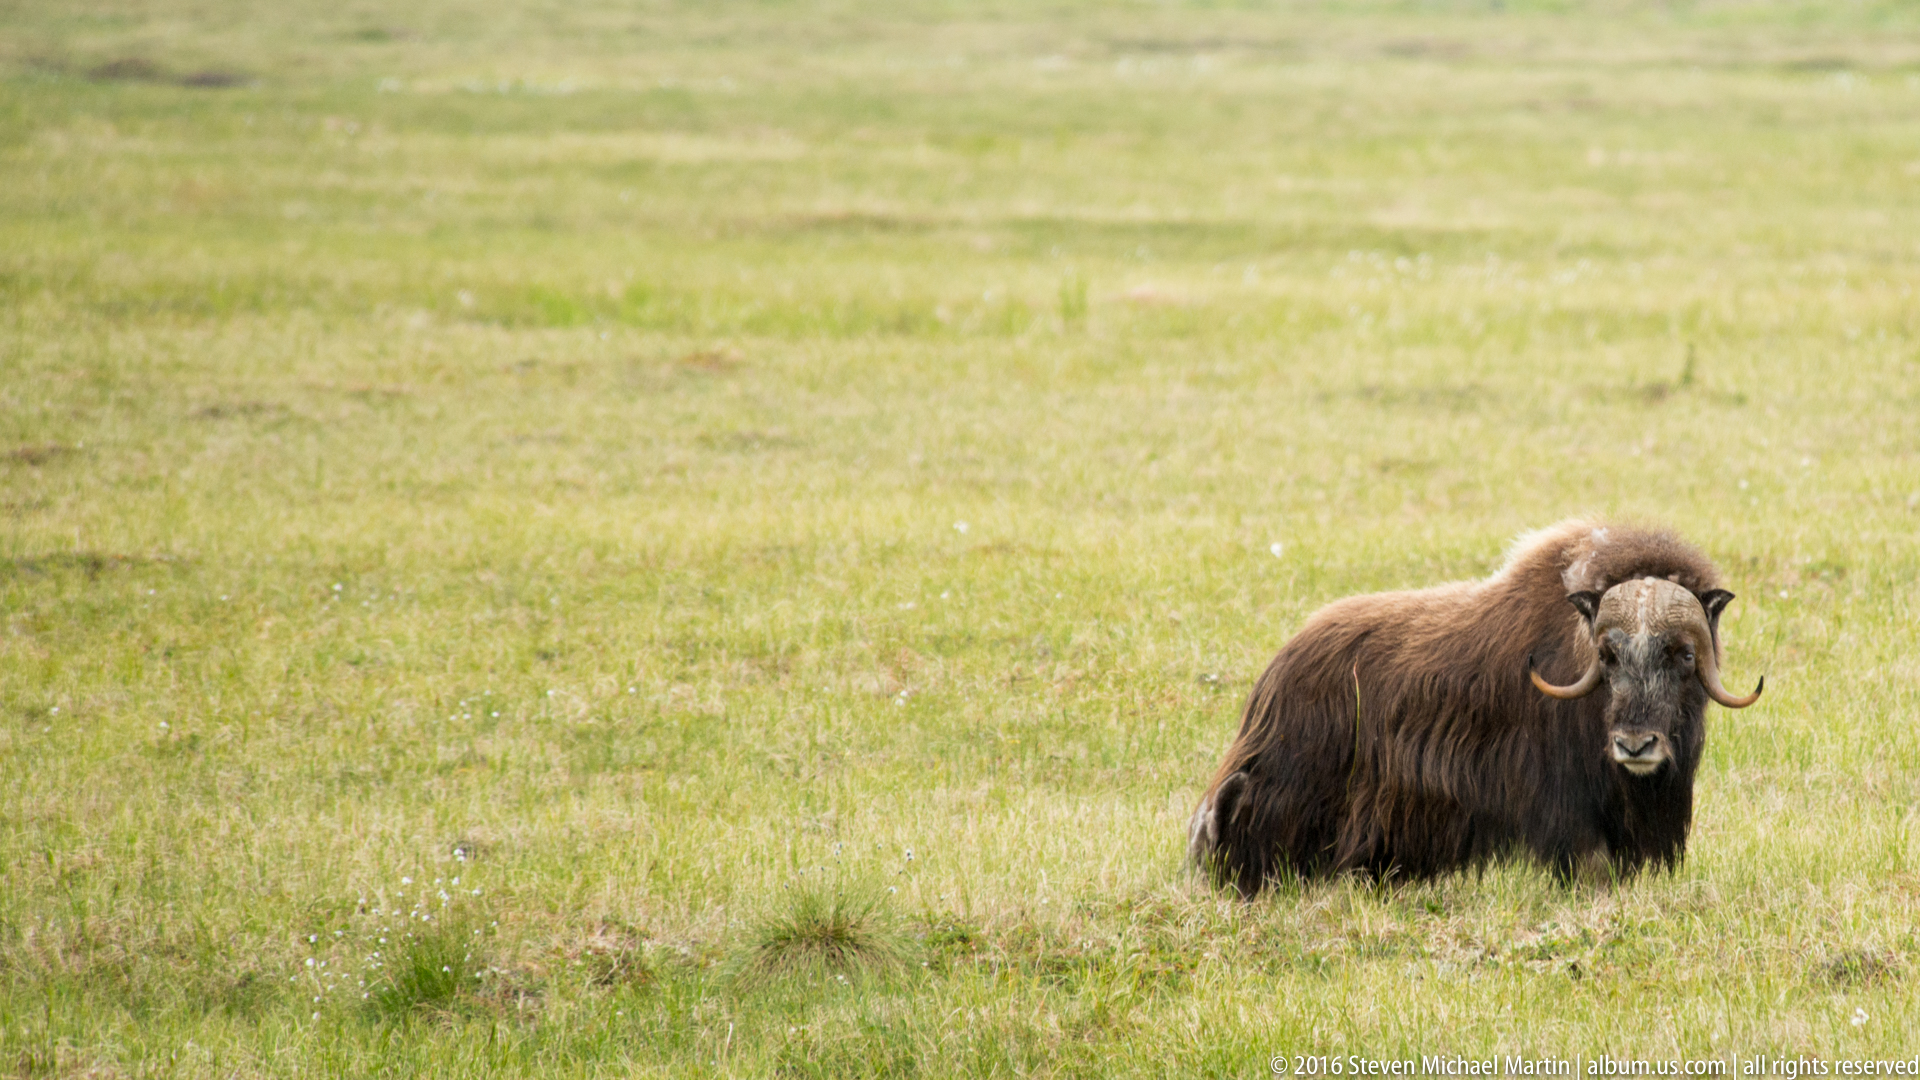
x=1398 y=734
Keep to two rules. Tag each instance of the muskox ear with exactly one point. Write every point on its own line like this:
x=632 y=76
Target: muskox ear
x=1715 y=601
x=1588 y=603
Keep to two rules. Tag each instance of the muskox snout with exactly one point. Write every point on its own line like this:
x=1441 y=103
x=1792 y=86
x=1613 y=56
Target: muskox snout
x=1639 y=752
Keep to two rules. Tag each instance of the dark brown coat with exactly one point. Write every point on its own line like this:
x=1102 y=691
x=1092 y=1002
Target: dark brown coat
x=1398 y=734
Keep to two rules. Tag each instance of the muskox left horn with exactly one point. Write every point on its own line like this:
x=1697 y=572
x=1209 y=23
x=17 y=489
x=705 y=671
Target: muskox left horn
x=1578 y=689
x=1709 y=662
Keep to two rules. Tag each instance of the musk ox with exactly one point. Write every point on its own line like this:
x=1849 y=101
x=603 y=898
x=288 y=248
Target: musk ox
x=1555 y=709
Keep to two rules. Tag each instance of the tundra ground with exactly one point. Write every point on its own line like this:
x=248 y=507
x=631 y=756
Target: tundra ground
x=606 y=540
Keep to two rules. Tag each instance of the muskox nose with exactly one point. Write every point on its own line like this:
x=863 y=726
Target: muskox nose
x=1639 y=752
x=1634 y=748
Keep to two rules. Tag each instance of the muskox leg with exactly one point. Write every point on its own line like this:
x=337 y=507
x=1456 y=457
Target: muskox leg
x=1593 y=867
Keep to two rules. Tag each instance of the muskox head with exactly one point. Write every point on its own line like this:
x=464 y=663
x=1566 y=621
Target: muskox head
x=1654 y=645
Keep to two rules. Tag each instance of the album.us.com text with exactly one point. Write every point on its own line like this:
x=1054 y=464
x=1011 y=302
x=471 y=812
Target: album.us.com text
x=1735 y=1068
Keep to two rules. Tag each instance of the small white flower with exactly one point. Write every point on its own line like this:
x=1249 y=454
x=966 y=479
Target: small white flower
x=336 y=586
x=56 y=708
x=1859 y=1017
x=163 y=725
x=309 y=961
x=1278 y=549
x=406 y=881
x=960 y=526
x=311 y=938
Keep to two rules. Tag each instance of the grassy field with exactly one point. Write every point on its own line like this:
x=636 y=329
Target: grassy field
x=632 y=539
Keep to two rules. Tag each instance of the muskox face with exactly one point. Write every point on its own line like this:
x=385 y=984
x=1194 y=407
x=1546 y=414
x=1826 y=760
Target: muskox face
x=1654 y=647
x=1656 y=700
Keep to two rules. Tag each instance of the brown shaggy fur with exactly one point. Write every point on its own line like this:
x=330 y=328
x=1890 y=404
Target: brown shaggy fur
x=1397 y=735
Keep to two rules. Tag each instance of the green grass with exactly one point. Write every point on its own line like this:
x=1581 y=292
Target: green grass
x=662 y=464
x=825 y=930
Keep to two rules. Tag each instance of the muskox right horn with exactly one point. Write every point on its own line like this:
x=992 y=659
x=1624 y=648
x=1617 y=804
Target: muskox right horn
x=1578 y=689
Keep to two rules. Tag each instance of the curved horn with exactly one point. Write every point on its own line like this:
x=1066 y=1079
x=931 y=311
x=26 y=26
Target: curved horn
x=1578 y=689
x=1707 y=656
x=1709 y=671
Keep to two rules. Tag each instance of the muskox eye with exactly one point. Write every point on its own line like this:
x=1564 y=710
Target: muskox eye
x=1610 y=646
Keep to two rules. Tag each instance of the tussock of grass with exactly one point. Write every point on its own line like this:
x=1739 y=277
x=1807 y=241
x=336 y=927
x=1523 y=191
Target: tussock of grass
x=431 y=967
x=1861 y=967
x=612 y=956
x=820 y=931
